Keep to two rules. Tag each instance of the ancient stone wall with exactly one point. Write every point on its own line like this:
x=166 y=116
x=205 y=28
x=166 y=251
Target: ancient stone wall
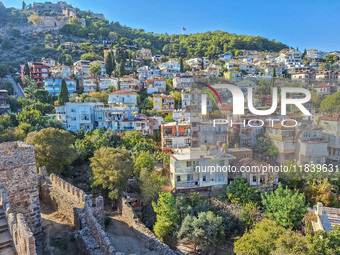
x=61 y=195
x=23 y=239
x=91 y=238
x=88 y=219
x=141 y=230
x=18 y=173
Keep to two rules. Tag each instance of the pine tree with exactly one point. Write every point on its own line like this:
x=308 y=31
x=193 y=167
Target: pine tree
x=108 y=64
x=63 y=94
x=23 y=5
x=26 y=70
x=181 y=65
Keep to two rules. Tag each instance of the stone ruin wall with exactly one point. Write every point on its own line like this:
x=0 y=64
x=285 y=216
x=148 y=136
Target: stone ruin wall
x=23 y=239
x=90 y=236
x=18 y=173
x=61 y=195
x=141 y=230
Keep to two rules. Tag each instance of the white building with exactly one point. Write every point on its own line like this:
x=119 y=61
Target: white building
x=183 y=81
x=105 y=82
x=315 y=54
x=53 y=84
x=123 y=97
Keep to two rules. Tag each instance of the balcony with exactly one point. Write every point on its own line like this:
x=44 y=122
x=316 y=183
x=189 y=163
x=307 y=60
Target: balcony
x=128 y=128
x=187 y=184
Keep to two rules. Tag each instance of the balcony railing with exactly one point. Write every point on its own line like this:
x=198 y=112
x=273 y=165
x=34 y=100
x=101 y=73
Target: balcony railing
x=188 y=184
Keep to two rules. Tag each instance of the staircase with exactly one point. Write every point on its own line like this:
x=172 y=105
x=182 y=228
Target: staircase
x=6 y=243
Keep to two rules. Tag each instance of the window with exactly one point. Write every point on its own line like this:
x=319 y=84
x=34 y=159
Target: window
x=178 y=164
x=190 y=177
x=204 y=178
x=188 y=163
x=220 y=177
x=73 y=110
x=178 y=178
x=254 y=178
x=262 y=179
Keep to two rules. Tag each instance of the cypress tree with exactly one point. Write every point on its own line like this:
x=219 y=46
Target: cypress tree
x=181 y=65
x=26 y=69
x=273 y=77
x=63 y=93
x=113 y=61
x=108 y=64
x=121 y=69
x=60 y=59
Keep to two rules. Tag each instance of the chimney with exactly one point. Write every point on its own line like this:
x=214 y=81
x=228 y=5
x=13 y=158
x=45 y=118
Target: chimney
x=319 y=209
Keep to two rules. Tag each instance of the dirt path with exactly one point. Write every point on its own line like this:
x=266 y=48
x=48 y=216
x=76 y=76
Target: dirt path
x=57 y=238
x=124 y=238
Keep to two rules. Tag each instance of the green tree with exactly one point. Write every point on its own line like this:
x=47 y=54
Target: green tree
x=285 y=207
x=331 y=103
x=272 y=151
x=7 y=86
x=68 y=60
x=41 y=95
x=168 y=118
x=331 y=58
x=267 y=237
x=109 y=64
x=95 y=69
x=151 y=184
x=111 y=168
x=53 y=149
x=121 y=68
x=145 y=161
x=26 y=70
x=6 y=44
x=239 y=192
x=181 y=65
x=327 y=243
x=33 y=117
x=321 y=191
x=205 y=231
x=63 y=93
x=167 y=215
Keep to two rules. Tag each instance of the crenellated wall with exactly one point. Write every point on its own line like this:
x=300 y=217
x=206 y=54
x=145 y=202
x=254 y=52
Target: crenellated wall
x=18 y=173
x=78 y=207
x=22 y=236
x=61 y=195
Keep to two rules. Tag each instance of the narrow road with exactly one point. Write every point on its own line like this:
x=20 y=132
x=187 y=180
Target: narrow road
x=18 y=92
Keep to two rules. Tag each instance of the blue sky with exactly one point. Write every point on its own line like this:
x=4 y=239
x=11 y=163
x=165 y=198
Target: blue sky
x=298 y=23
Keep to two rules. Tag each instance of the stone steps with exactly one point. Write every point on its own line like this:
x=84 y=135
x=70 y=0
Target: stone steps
x=6 y=242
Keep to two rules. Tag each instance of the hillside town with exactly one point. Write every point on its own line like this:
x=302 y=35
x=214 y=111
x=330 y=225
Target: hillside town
x=112 y=147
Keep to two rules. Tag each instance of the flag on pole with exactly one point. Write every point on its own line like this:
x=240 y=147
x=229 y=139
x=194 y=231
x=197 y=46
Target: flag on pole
x=183 y=29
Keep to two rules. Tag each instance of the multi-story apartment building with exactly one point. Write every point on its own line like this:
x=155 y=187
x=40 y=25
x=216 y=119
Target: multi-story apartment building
x=144 y=53
x=324 y=89
x=53 y=85
x=81 y=68
x=331 y=132
x=315 y=54
x=311 y=147
x=49 y=62
x=130 y=83
x=4 y=102
x=198 y=63
x=175 y=135
x=307 y=77
x=123 y=97
x=163 y=103
x=327 y=77
x=225 y=56
x=105 y=82
x=61 y=71
x=155 y=85
x=144 y=73
x=233 y=76
x=76 y=116
x=289 y=58
x=189 y=169
x=193 y=97
x=278 y=70
x=284 y=139
x=183 y=81
x=38 y=71
x=304 y=144
x=90 y=84
x=169 y=69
